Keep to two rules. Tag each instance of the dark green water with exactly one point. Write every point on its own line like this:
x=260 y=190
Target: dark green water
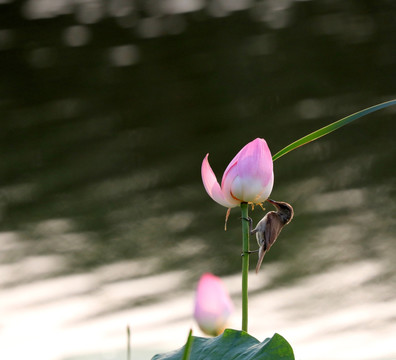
x=105 y=121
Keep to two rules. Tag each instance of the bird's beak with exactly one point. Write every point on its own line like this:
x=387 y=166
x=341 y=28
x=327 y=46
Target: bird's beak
x=273 y=202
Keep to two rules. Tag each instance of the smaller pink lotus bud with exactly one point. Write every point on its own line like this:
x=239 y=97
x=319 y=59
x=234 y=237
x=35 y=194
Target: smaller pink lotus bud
x=213 y=305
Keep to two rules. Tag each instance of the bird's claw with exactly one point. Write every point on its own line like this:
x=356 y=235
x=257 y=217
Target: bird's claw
x=248 y=252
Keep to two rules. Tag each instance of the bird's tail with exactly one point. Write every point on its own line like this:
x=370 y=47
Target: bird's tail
x=260 y=258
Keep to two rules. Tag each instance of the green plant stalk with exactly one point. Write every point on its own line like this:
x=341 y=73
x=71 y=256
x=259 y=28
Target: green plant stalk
x=245 y=265
x=187 y=349
x=128 y=343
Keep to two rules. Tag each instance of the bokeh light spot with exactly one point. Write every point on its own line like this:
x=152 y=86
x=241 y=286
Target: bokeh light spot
x=124 y=55
x=77 y=35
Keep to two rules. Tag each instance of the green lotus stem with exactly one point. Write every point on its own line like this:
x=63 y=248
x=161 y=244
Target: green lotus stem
x=188 y=346
x=128 y=343
x=245 y=265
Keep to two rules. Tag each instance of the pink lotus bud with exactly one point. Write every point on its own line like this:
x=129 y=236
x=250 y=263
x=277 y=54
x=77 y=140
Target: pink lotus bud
x=249 y=176
x=213 y=305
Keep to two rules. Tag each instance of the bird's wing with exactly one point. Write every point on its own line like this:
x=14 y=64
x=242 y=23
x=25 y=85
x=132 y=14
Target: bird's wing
x=272 y=229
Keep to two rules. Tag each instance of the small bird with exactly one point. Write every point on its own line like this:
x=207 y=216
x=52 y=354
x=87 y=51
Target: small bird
x=269 y=227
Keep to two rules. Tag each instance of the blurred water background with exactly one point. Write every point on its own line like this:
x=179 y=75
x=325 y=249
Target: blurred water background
x=107 y=110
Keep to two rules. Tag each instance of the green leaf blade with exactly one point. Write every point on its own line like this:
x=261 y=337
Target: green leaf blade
x=234 y=345
x=330 y=128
